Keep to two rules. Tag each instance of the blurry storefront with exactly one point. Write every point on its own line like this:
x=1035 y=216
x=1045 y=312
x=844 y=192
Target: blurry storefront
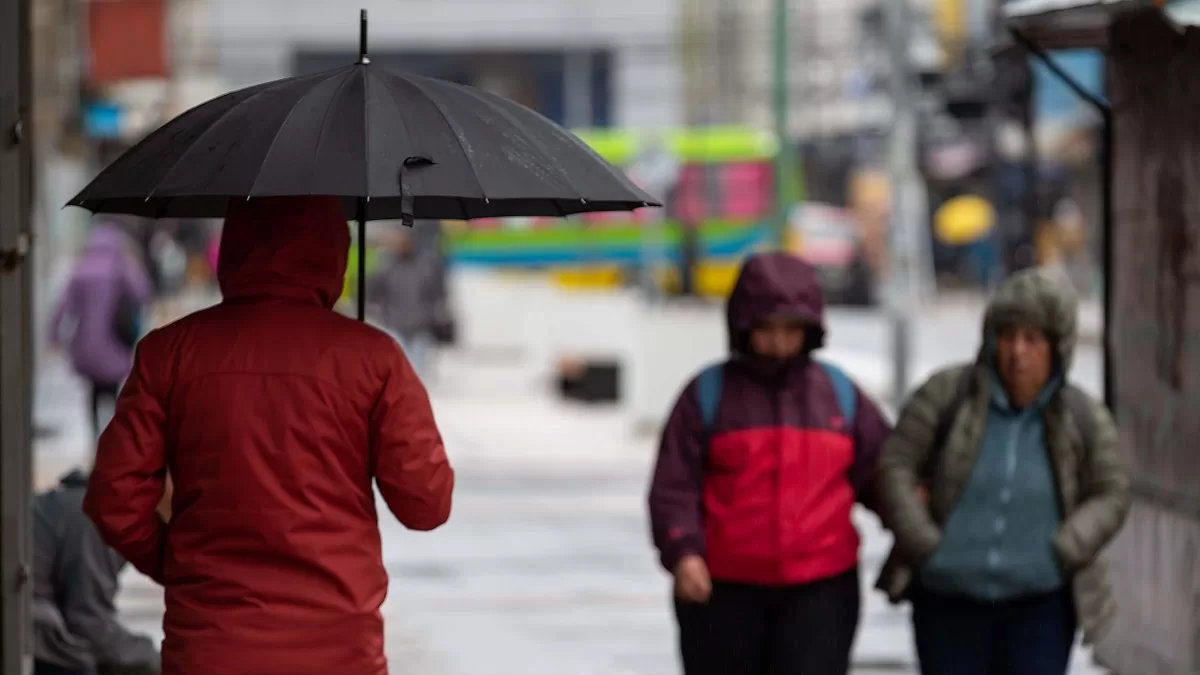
x=1152 y=327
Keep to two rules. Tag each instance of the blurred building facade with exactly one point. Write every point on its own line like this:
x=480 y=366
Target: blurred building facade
x=582 y=63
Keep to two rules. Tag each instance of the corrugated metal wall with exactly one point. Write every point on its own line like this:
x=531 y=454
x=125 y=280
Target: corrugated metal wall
x=1155 y=79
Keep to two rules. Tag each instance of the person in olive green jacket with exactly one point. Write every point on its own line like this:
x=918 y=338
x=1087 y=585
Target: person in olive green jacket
x=1002 y=484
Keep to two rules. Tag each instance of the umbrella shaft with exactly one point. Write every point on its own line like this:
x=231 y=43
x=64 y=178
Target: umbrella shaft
x=362 y=260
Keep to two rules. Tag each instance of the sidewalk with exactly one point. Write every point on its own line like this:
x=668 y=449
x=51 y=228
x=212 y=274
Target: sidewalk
x=546 y=565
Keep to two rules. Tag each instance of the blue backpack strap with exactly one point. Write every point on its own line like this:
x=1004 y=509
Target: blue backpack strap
x=708 y=393
x=844 y=389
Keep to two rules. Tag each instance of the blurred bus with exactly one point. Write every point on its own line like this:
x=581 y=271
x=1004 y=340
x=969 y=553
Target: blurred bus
x=724 y=192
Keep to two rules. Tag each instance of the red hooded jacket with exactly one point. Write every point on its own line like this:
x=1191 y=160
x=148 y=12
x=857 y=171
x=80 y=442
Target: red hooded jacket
x=769 y=500
x=274 y=415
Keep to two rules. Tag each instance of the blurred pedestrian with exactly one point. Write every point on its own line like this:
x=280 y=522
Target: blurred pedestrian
x=761 y=462
x=1002 y=484
x=273 y=415
x=101 y=310
x=75 y=583
x=408 y=296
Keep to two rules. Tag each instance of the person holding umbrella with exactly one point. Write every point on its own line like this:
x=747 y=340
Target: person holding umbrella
x=274 y=415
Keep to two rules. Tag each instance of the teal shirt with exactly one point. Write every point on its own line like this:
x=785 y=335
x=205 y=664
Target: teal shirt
x=998 y=541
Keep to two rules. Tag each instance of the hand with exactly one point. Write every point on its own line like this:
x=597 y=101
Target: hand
x=692 y=582
x=164 y=504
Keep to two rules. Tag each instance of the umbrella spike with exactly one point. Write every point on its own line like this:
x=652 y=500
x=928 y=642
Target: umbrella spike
x=363 y=59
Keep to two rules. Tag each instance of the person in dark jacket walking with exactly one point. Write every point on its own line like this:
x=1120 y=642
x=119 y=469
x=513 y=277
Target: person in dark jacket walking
x=760 y=465
x=408 y=295
x=75 y=628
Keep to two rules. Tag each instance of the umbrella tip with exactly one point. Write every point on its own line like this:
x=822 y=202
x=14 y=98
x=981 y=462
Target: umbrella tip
x=362 y=38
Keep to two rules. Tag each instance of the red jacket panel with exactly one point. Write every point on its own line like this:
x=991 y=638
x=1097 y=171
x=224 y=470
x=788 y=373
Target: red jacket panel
x=777 y=506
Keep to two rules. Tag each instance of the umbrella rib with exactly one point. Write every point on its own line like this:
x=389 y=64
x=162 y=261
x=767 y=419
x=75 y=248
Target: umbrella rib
x=454 y=129
x=283 y=124
x=531 y=138
x=217 y=122
x=399 y=116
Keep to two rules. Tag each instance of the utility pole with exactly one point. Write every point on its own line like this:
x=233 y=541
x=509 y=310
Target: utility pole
x=780 y=99
x=16 y=390
x=909 y=238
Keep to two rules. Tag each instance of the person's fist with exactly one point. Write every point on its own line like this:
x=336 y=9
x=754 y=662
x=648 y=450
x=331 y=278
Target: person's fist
x=692 y=582
x=164 y=502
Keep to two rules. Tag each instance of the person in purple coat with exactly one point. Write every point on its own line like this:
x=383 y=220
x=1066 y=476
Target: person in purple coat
x=761 y=463
x=98 y=311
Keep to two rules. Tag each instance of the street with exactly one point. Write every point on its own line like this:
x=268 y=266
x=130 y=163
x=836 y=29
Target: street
x=546 y=566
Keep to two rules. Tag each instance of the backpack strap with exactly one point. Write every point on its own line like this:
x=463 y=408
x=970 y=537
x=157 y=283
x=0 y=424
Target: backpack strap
x=945 y=420
x=1079 y=407
x=708 y=394
x=844 y=389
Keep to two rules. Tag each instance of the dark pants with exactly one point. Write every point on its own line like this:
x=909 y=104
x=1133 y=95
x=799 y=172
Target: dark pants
x=761 y=630
x=1024 y=636
x=43 y=668
x=100 y=394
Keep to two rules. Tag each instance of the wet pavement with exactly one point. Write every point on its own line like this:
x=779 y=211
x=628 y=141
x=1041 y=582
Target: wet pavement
x=546 y=565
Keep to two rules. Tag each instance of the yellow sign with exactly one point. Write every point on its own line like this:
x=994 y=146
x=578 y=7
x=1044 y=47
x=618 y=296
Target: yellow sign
x=963 y=220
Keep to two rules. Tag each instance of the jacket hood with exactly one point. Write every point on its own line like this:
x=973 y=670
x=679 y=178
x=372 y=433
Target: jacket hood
x=1041 y=298
x=775 y=284
x=284 y=246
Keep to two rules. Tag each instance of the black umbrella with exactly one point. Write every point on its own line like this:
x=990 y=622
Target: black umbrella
x=392 y=146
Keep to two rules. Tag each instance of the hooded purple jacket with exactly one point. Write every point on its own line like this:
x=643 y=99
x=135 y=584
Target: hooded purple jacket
x=105 y=270
x=770 y=501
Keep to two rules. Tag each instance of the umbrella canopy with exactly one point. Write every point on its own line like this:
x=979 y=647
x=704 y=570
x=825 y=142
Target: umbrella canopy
x=391 y=145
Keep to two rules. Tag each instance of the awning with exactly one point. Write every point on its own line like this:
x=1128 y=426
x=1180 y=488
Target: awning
x=1063 y=24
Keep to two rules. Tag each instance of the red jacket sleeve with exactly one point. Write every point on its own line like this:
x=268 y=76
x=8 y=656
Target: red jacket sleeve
x=129 y=474
x=677 y=489
x=411 y=467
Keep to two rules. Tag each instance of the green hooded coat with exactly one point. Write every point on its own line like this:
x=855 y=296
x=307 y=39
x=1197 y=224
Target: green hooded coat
x=1092 y=482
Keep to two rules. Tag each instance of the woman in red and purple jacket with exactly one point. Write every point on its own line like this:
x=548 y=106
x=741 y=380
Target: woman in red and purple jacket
x=760 y=465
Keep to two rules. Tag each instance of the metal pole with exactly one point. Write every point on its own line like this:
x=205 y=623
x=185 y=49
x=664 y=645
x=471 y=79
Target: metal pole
x=908 y=235
x=16 y=372
x=780 y=99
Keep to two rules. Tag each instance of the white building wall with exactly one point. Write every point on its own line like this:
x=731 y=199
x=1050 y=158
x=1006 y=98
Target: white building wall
x=255 y=39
